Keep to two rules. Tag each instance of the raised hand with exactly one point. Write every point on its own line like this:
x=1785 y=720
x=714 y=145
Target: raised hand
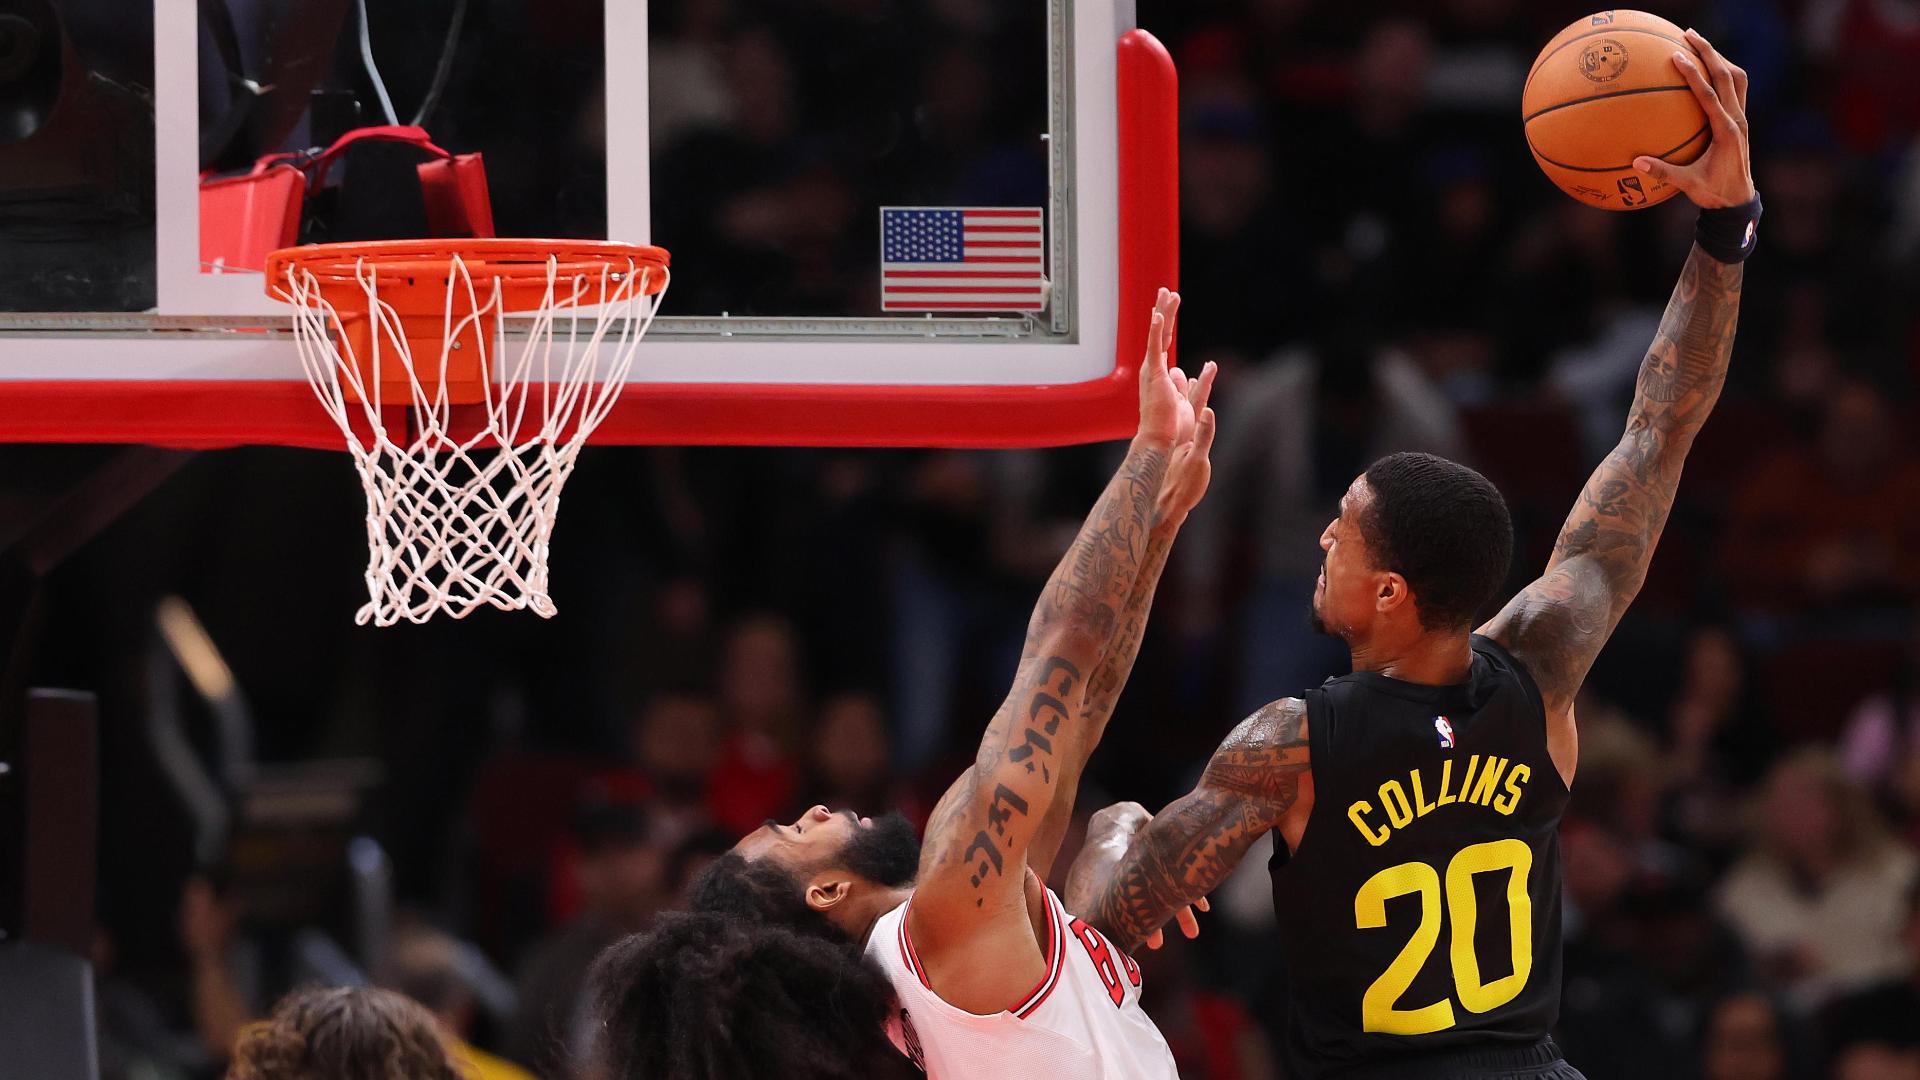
x=1189 y=469
x=1166 y=413
x=1722 y=176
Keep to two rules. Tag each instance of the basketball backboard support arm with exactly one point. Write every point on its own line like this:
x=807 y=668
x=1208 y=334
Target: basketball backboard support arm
x=211 y=369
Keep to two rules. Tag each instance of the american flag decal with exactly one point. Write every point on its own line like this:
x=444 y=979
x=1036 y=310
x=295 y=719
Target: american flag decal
x=962 y=258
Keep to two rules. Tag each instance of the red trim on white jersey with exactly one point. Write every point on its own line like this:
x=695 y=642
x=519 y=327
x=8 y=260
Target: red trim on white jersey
x=911 y=958
x=1036 y=996
x=1052 y=977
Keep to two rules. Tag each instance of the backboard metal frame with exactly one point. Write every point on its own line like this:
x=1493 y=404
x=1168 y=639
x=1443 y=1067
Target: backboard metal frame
x=214 y=364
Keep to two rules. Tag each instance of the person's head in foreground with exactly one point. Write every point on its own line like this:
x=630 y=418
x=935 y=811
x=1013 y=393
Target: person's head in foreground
x=1422 y=544
x=343 y=1033
x=770 y=954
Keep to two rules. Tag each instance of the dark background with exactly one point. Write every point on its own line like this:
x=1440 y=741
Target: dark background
x=1377 y=265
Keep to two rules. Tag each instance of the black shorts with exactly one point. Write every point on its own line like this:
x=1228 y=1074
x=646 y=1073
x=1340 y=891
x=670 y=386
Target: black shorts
x=1540 y=1061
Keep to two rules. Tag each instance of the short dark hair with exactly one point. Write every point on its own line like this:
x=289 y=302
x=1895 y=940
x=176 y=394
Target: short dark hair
x=793 y=995
x=1444 y=528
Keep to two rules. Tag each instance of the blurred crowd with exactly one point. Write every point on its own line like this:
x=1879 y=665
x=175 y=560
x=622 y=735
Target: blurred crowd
x=1373 y=259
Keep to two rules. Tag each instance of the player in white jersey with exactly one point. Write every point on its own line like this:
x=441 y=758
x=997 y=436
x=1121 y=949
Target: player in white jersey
x=1082 y=1019
x=814 y=944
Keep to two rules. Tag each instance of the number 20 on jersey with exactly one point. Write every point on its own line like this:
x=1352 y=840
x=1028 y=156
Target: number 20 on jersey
x=1380 y=1009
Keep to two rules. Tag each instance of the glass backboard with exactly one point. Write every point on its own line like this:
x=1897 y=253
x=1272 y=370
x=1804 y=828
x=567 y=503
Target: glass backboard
x=814 y=166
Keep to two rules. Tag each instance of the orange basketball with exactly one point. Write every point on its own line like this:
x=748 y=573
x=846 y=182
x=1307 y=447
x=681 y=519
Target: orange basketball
x=1604 y=91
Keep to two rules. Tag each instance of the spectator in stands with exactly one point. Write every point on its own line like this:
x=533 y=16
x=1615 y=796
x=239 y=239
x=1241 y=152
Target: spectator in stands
x=620 y=878
x=221 y=993
x=1715 y=749
x=763 y=704
x=1210 y=1033
x=1820 y=897
x=343 y=1033
x=1882 y=744
x=1608 y=986
x=851 y=758
x=1876 y=1033
x=1247 y=298
x=1624 y=783
x=691 y=856
x=1826 y=524
x=1748 y=1036
x=677 y=741
x=1871 y=51
x=425 y=965
x=1298 y=428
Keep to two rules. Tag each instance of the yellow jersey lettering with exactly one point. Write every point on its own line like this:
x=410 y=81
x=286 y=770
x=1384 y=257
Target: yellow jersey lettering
x=1446 y=777
x=1515 y=780
x=1421 y=807
x=1357 y=813
x=1466 y=782
x=1489 y=780
x=1393 y=799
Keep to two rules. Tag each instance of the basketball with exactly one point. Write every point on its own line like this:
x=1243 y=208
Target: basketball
x=1604 y=91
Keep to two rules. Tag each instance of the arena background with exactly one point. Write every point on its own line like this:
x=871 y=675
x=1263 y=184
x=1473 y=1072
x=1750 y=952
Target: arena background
x=1376 y=264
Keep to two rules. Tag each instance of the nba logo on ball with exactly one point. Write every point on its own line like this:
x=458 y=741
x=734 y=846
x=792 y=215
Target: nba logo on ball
x=1444 y=728
x=1604 y=60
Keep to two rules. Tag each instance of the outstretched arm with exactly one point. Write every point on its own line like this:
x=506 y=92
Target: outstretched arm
x=1558 y=624
x=1186 y=481
x=971 y=890
x=1136 y=874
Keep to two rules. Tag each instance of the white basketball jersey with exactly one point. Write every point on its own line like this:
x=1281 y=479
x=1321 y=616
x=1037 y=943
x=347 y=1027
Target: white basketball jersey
x=1082 y=1022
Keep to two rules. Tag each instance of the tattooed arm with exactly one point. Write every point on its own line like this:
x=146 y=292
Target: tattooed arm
x=1187 y=476
x=969 y=918
x=1256 y=781
x=1557 y=625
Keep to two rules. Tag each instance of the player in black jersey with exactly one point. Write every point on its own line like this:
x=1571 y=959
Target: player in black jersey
x=1417 y=800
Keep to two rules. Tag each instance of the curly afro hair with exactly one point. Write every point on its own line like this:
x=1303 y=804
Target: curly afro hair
x=752 y=983
x=343 y=1033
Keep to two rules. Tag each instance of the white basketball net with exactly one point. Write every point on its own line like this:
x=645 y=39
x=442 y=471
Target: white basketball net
x=454 y=523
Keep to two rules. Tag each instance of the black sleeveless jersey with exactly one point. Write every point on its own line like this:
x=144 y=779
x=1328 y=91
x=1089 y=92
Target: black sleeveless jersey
x=1421 y=912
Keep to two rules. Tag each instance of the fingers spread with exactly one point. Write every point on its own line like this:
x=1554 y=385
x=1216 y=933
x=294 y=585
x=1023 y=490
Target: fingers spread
x=1189 y=925
x=1155 y=940
x=1720 y=69
x=1704 y=92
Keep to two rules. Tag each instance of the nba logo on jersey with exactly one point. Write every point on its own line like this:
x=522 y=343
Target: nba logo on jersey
x=1444 y=727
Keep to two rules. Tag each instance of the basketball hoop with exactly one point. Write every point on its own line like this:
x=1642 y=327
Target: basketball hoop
x=463 y=438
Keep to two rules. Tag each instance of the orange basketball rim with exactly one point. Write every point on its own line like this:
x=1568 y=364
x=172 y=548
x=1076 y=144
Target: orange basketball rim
x=439 y=292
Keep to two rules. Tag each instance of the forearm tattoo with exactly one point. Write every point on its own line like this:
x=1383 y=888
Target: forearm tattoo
x=1250 y=784
x=1103 y=692
x=1039 y=730
x=1601 y=558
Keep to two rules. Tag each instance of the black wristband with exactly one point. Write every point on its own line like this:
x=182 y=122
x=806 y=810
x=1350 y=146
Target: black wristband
x=1730 y=233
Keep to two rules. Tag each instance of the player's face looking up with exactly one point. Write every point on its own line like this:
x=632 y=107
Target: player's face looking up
x=810 y=838
x=833 y=853
x=1420 y=548
x=1353 y=590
